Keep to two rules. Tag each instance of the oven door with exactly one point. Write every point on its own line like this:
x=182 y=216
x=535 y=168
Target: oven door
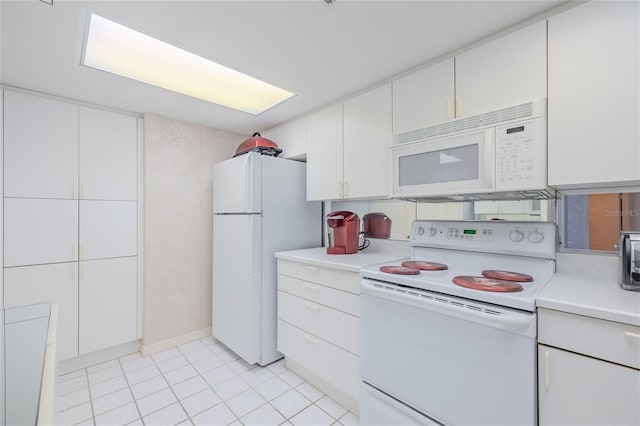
x=459 y=362
x=461 y=164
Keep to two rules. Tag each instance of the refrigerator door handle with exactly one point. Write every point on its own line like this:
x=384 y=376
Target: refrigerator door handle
x=247 y=175
x=239 y=213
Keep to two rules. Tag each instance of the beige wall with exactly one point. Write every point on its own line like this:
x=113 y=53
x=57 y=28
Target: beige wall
x=177 y=224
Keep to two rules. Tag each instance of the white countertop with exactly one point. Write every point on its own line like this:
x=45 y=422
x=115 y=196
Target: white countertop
x=590 y=295
x=348 y=262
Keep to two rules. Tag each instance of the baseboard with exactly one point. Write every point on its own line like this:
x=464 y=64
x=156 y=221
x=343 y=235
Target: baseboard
x=347 y=401
x=153 y=348
x=84 y=361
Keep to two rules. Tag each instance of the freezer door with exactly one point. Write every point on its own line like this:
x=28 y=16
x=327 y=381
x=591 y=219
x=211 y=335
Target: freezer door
x=237 y=290
x=237 y=184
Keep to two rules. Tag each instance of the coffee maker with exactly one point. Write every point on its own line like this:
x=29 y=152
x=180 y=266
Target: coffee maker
x=344 y=230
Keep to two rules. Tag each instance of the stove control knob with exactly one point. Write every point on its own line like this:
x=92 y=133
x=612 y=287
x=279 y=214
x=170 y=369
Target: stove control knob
x=535 y=236
x=420 y=231
x=516 y=235
x=432 y=231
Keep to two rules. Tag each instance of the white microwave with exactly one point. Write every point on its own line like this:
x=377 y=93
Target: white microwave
x=498 y=155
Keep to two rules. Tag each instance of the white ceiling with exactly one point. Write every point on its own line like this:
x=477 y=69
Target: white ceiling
x=320 y=52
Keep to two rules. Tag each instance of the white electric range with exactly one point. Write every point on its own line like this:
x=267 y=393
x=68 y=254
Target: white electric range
x=455 y=345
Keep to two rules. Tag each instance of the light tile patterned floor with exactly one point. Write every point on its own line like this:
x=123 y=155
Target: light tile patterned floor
x=198 y=383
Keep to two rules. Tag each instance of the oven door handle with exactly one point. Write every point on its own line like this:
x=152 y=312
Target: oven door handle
x=497 y=318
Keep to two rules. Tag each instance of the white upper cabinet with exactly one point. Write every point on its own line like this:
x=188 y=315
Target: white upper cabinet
x=108 y=229
x=505 y=72
x=292 y=139
x=594 y=137
x=424 y=98
x=108 y=155
x=40 y=231
x=324 y=154
x=40 y=147
x=367 y=144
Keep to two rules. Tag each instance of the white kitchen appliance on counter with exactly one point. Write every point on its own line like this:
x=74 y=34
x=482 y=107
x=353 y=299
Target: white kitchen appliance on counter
x=497 y=155
x=450 y=337
x=260 y=208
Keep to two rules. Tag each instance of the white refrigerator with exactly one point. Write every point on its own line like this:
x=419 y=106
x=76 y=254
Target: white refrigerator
x=260 y=207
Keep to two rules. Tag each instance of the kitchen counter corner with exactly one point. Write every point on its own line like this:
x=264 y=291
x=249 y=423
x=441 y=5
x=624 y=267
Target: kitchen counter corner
x=592 y=297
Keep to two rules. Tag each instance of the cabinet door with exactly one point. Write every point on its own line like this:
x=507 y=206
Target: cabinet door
x=423 y=98
x=505 y=72
x=40 y=231
x=108 y=155
x=292 y=138
x=107 y=303
x=108 y=229
x=40 y=147
x=367 y=144
x=57 y=283
x=593 y=96
x=324 y=154
x=579 y=390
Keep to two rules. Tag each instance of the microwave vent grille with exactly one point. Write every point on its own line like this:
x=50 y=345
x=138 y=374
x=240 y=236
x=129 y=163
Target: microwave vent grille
x=526 y=110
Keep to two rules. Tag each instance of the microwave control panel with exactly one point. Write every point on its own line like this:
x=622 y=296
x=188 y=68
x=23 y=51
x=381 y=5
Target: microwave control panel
x=521 y=153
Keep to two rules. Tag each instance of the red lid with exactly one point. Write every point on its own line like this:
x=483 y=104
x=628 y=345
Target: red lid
x=258 y=143
x=508 y=276
x=425 y=266
x=486 y=284
x=399 y=270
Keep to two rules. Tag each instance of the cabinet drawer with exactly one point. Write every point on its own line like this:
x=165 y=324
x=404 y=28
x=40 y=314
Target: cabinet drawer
x=336 y=278
x=331 y=325
x=340 y=300
x=333 y=364
x=608 y=340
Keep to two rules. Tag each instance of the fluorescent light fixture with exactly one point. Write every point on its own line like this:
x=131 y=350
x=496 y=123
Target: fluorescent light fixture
x=116 y=49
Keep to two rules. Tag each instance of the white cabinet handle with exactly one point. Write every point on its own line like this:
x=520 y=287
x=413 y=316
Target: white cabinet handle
x=74 y=278
x=74 y=191
x=340 y=191
x=311 y=268
x=546 y=369
x=81 y=251
x=74 y=253
x=81 y=271
x=632 y=334
x=311 y=338
x=450 y=110
x=458 y=107
x=312 y=287
x=346 y=189
x=311 y=305
x=81 y=191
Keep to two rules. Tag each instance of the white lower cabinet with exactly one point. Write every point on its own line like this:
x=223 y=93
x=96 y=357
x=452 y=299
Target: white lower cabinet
x=588 y=370
x=579 y=390
x=108 y=303
x=319 y=327
x=56 y=283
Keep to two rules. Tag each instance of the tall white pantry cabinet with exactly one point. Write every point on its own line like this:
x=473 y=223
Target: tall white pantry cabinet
x=70 y=218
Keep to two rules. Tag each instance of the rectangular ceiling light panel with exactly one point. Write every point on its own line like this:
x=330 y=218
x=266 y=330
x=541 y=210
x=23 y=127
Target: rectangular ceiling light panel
x=117 y=49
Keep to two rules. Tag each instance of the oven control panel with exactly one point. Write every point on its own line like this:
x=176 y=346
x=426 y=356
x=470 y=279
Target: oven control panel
x=524 y=238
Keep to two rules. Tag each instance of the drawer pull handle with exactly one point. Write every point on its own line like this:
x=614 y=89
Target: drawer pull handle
x=631 y=334
x=312 y=287
x=311 y=305
x=311 y=268
x=311 y=338
x=546 y=369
